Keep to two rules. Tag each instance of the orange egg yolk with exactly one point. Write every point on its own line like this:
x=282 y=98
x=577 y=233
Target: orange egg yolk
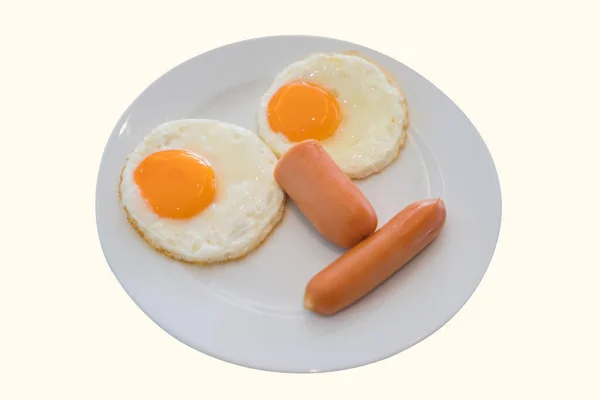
x=175 y=183
x=303 y=110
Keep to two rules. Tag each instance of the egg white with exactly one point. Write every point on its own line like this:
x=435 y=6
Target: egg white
x=248 y=202
x=374 y=113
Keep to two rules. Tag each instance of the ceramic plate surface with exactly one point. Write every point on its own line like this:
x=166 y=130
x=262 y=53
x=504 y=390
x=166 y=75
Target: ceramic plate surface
x=250 y=312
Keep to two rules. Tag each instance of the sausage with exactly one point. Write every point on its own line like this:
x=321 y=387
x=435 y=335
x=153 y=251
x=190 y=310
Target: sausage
x=372 y=261
x=332 y=203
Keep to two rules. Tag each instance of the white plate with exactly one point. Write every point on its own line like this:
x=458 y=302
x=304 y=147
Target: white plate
x=250 y=312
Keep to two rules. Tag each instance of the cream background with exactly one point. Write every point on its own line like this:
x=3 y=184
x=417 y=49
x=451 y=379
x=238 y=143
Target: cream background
x=525 y=72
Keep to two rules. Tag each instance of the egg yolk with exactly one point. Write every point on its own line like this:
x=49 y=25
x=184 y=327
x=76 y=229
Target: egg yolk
x=303 y=110
x=175 y=183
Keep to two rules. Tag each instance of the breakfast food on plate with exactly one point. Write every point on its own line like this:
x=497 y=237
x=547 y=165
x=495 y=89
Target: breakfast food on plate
x=205 y=191
x=354 y=108
x=325 y=195
x=372 y=261
x=201 y=190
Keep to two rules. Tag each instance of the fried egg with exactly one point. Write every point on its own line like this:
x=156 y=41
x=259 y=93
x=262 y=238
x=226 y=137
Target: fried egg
x=201 y=190
x=355 y=109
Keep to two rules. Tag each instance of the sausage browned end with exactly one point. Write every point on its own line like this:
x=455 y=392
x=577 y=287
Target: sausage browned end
x=372 y=261
x=332 y=203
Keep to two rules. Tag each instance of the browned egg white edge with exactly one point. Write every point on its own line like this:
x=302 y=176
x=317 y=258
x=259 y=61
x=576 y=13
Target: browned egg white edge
x=275 y=221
